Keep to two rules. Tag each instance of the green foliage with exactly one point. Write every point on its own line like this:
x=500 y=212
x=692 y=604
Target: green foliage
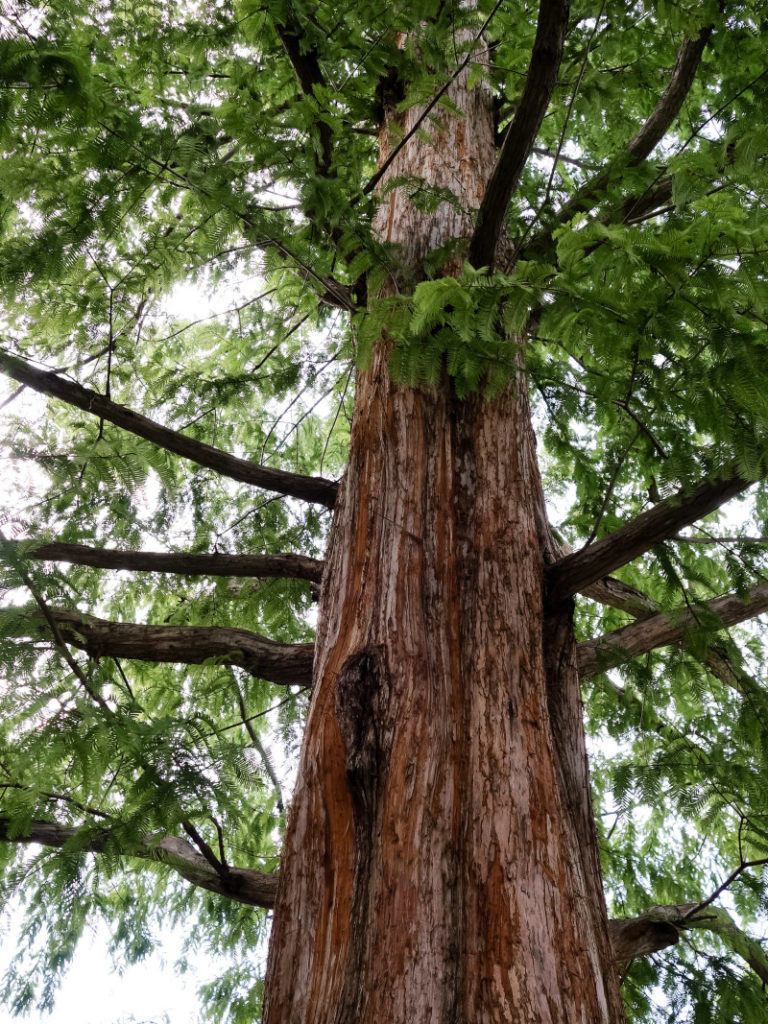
x=155 y=154
x=461 y=326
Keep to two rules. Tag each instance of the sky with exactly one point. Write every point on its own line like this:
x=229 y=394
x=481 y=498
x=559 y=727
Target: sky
x=94 y=993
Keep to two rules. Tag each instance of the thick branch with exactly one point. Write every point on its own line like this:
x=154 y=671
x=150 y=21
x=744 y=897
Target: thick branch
x=608 y=591
x=254 y=888
x=652 y=132
x=287 y=565
x=294 y=485
x=285 y=664
x=672 y=99
x=660 y=927
x=617 y=594
x=574 y=572
x=305 y=62
x=657 y=929
x=520 y=136
x=638 y=638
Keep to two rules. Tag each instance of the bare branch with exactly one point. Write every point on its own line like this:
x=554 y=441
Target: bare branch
x=653 y=131
x=672 y=99
x=638 y=638
x=759 y=863
x=254 y=888
x=314 y=489
x=284 y=664
x=520 y=136
x=574 y=572
x=287 y=565
x=221 y=869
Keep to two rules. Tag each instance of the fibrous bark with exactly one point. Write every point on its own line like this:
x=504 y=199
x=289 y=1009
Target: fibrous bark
x=440 y=861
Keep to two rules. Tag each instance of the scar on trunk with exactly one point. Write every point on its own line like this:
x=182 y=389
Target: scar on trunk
x=362 y=696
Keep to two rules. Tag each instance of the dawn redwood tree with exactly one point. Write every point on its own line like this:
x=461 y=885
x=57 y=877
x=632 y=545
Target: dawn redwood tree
x=472 y=269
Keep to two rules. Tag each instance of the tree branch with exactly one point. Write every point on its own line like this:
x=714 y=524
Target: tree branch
x=576 y=571
x=621 y=595
x=294 y=485
x=221 y=869
x=634 y=602
x=284 y=664
x=638 y=638
x=288 y=565
x=657 y=929
x=653 y=131
x=254 y=888
x=520 y=136
x=305 y=62
x=672 y=99
x=49 y=618
x=661 y=927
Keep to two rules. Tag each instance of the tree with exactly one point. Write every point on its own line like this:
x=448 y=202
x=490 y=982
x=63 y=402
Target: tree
x=465 y=256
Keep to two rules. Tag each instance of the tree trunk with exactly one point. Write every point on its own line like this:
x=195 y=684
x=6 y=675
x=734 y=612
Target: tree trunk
x=440 y=862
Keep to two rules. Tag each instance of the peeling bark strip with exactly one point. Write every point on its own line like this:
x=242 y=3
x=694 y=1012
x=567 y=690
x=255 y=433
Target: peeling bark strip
x=575 y=572
x=638 y=638
x=307 y=488
x=288 y=566
x=286 y=664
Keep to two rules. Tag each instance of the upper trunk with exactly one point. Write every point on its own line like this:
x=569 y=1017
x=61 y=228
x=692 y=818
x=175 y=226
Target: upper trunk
x=440 y=861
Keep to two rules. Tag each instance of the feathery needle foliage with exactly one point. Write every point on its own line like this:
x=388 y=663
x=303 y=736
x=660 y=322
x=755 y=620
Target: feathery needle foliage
x=189 y=235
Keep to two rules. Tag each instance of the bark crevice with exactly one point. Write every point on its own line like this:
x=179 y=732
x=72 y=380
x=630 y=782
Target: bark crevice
x=362 y=698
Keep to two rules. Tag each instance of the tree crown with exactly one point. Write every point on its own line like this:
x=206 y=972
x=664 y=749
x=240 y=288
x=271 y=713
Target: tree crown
x=151 y=153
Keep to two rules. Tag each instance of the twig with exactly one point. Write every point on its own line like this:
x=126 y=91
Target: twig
x=721 y=888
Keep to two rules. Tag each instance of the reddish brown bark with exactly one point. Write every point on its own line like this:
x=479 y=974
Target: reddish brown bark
x=440 y=859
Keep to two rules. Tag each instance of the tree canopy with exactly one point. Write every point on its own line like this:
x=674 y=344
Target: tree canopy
x=168 y=497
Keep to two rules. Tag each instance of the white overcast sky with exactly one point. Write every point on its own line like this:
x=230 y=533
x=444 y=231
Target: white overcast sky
x=94 y=993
